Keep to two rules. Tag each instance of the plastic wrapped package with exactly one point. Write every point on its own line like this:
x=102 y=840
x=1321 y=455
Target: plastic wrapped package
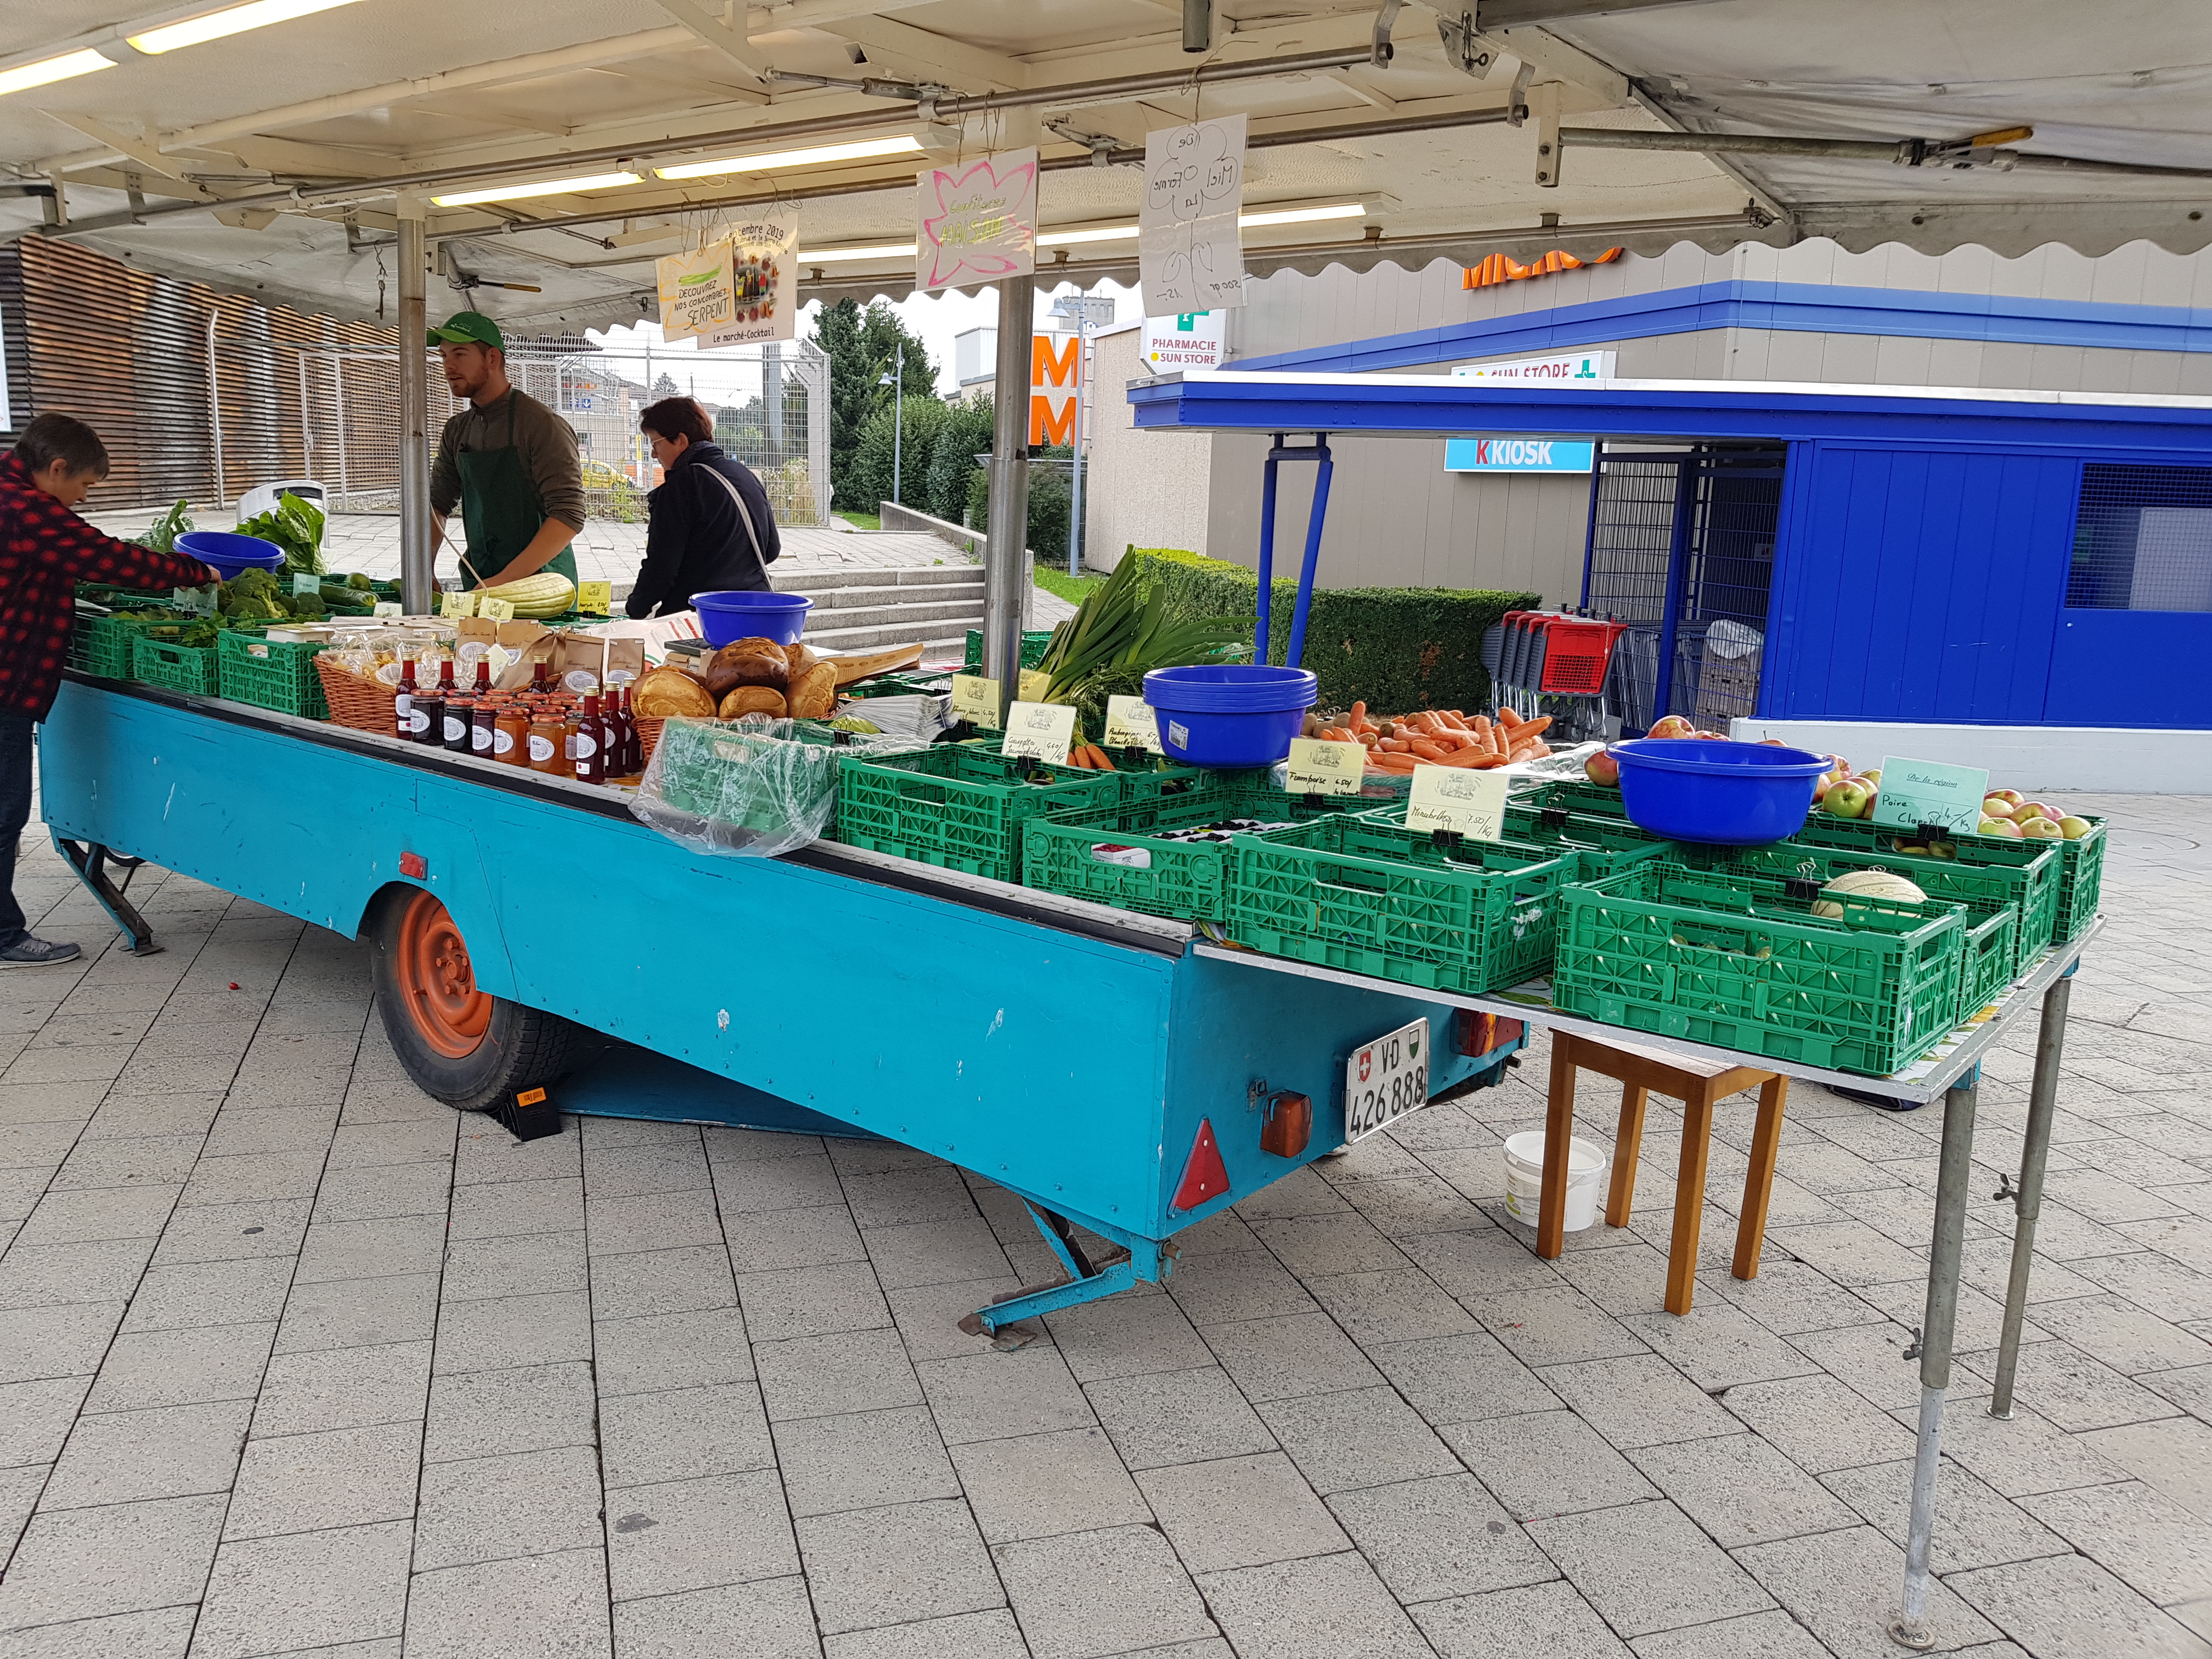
x=750 y=788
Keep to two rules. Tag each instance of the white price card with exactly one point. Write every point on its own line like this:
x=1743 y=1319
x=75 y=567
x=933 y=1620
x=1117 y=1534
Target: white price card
x=595 y=598
x=195 y=601
x=389 y=608
x=1031 y=685
x=1131 y=723
x=1320 y=767
x=976 y=700
x=1465 y=803
x=1041 y=731
x=497 y=610
x=306 y=583
x=454 y=606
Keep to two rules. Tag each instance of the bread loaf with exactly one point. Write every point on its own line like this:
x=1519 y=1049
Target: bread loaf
x=754 y=700
x=747 y=662
x=801 y=656
x=813 y=694
x=666 y=691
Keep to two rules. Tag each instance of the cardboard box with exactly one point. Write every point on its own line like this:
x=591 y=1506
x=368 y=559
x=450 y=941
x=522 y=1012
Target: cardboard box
x=533 y=642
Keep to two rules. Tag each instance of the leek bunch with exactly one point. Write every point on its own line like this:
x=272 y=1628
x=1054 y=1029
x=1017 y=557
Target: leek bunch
x=1119 y=633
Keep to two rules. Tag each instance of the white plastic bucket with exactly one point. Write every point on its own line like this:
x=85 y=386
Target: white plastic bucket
x=1524 y=1178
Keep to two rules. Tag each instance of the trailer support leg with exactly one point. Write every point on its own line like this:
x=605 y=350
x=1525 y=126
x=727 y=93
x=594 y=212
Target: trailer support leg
x=2027 y=1201
x=1086 y=1281
x=92 y=862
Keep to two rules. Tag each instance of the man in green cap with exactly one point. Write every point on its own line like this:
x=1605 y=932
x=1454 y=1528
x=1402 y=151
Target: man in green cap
x=508 y=461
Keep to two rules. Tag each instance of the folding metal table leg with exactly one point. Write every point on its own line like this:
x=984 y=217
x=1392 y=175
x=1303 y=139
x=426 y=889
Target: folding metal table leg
x=1910 y=1629
x=2028 y=1201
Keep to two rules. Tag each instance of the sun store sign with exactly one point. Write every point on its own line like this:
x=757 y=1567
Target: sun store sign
x=1498 y=269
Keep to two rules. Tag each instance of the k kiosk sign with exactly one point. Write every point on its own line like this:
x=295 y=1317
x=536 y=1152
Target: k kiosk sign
x=1518 y=455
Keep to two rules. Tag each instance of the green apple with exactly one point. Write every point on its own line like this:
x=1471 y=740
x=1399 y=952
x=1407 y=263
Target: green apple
x=1996 y=806
x=2005 y=828
x=1873 y=777
x=1851 y=798
x=2041 y=829
x=2073 y=827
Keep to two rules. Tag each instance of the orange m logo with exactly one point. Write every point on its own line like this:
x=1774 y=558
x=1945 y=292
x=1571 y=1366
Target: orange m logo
x=1059 y=366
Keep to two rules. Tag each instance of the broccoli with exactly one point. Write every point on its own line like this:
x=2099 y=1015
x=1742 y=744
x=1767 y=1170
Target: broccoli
x=252 y=594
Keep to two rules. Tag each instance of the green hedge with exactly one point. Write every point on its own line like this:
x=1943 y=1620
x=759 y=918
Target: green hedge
x=1398 y=648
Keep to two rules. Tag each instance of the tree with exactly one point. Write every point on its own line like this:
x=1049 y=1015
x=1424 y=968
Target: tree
x=861 y=347
x=665 y=386
x=965 y=435
x=875 y=464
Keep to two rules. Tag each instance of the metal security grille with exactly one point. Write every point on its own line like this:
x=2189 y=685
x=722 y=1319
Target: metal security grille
x=2142 y=539
x=1682 y=546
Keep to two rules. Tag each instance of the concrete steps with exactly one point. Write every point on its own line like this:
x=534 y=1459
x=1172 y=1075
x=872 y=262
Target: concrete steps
x=866 y=608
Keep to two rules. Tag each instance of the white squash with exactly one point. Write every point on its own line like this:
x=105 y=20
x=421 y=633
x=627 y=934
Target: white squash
x=1868 y=884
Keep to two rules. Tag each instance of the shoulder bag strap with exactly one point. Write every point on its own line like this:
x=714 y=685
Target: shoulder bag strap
x=743 y=517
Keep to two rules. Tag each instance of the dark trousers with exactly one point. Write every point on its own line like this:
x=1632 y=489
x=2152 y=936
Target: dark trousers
x=15 y=762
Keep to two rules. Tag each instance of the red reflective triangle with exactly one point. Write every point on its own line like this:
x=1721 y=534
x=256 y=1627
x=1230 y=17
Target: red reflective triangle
x=1204 y=1179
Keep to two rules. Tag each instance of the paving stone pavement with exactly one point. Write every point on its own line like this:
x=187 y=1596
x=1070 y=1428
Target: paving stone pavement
x=295 y=1360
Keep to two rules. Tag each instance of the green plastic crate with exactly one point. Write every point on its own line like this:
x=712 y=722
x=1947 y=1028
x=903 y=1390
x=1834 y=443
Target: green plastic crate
x=189 y=668
x=1580 y=795
x=2080 y=879
x=958 y=805
x=1988 y=870
x=1987 y=964
x=1033 y=645
x=278 y=674
x=1731 y=959
x=914 y=683
x=1347 y=892
x=100 y=645
x=1183 y=877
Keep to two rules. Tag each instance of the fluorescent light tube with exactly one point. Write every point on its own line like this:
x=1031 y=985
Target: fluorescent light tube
x=232 y=19
x=540 y=187
x=859 y=150
x=24 y=77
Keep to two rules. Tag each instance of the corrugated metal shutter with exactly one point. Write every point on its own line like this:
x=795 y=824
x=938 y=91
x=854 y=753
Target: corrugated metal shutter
x=15 y=349
x=128 y=351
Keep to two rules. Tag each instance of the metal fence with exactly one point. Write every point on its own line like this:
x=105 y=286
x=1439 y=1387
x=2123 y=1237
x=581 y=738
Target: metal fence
x=770 y=405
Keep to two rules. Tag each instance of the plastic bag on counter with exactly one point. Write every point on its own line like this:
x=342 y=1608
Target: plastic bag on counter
x=742 y=788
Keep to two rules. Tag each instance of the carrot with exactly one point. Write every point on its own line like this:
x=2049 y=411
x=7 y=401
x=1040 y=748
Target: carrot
x=1390 y=764
x=1507 y=718
x=1427 y=750
x=1542 y=749
x=1475 y=759
x=1531 y=728
x=1450 y=717
x=1100 y=760
x=1368 y=738
x=1522 y=752
x=1075 y=759
x=1392 y=746
x=1358 y=714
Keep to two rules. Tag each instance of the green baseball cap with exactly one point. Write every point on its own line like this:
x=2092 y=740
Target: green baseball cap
x=468 y=328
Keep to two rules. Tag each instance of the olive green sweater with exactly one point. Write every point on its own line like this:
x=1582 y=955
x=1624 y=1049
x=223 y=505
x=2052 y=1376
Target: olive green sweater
x=545 y=443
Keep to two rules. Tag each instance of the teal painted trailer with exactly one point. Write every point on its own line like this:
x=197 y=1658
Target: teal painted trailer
x=1072 y=1053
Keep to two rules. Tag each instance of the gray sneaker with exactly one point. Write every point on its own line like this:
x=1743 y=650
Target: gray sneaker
x=29 y=953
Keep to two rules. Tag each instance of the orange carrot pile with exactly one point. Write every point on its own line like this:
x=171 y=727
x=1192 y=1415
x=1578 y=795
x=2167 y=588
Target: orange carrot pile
x=1090 y=756
x=1440 y=736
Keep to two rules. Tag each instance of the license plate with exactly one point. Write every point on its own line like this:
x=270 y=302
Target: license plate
x=1385 y=1079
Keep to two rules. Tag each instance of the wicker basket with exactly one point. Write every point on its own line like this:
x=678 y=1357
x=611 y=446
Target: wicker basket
x=648 y=732
x=364 y=705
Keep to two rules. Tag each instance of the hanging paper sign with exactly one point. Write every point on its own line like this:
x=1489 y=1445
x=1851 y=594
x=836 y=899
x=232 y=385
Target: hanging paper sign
x=1131 y=723
x=1318 y=766
x=978 y=221
x=976 y=700
x=497 y=610
x=1914 y=793
x=454 y=606
x=1040 y=730
x=595 y=598
x=1470 y=804
x=698 y=291
x=1031 y=683
x=763 y=283
x=1190 y=257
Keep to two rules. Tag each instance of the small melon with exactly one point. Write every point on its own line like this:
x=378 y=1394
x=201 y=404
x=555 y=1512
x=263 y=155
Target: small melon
x=1869 y=885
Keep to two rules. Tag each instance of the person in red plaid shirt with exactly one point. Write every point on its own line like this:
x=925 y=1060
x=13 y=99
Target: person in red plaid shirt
x=45 y=551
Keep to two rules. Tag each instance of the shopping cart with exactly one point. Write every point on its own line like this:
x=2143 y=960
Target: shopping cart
x=1554 y=663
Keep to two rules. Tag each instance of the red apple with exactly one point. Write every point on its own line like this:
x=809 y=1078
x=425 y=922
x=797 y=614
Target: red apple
x=1672 y=725
x=2003 y=828
x=1996 y=806
x=2035 y=809
x=2009 y=797
x=1602 y=768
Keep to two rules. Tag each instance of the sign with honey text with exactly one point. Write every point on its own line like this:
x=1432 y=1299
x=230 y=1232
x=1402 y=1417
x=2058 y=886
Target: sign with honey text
x=1498 y=269
x=977 y=221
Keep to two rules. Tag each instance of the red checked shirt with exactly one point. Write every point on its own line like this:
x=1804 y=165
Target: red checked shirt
x=45 y=551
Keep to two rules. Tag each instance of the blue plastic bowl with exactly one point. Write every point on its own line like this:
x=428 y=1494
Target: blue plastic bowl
x=736 y=614
x=229 y=553
x=1230 y=713
x=1732 y=794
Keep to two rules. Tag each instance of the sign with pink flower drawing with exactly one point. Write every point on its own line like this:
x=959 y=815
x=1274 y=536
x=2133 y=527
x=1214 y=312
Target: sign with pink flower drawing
x=978 y=221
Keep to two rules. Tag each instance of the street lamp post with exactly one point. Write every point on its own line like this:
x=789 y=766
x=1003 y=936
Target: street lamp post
x=896 y=381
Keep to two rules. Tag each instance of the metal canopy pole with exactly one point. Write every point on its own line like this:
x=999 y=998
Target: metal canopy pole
x=1006 y=550
x=1910 y=1629
x=2027 y=1201
x=417 y=560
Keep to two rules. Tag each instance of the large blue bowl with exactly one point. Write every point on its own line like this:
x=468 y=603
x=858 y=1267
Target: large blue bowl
x=1731 y=794
x=1230 y=713
x=228 y=553
x=736 y=614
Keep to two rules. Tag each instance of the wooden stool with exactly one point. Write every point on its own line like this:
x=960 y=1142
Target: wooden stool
x=1697 y=1084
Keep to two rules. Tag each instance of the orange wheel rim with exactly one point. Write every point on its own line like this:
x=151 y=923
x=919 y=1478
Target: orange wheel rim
x=437 y=982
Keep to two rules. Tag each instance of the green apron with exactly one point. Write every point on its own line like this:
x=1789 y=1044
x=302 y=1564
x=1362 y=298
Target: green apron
x=499 y=505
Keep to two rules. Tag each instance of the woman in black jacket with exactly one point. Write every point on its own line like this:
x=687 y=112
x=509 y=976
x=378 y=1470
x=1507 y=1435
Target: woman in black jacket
x=710 y=528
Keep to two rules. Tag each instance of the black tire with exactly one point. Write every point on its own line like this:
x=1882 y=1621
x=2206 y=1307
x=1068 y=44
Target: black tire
x=518 y=1048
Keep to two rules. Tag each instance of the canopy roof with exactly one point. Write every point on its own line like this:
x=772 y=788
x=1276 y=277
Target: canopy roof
x=273 y=159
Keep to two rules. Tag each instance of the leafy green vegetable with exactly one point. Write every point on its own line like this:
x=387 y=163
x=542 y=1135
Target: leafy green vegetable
x=254 y=595
x=161 y=534
x=296 y=526
x=1120 y=631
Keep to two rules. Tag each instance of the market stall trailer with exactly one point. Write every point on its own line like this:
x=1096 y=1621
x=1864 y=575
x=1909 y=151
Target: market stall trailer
x=1088 y=1059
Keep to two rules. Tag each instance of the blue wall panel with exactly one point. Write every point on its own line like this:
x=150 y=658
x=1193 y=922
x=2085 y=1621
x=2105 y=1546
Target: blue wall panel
x=2144 y=668
x=1919 y=584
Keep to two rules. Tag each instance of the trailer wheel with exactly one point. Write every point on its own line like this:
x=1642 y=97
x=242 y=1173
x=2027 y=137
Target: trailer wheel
x=462 y=1045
